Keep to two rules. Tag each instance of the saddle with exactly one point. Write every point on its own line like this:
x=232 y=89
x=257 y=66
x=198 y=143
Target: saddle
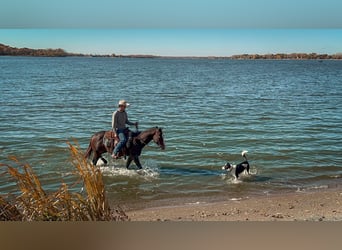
x=110 y=141
x=110 y=135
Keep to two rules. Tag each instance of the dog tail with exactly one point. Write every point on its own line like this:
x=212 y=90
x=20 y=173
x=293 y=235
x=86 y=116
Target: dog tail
x=244 y=154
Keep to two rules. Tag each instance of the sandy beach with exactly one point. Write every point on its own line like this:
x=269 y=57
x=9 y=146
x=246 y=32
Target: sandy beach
x=313 y=206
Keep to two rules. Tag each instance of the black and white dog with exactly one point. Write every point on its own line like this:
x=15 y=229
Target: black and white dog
x=236 y=170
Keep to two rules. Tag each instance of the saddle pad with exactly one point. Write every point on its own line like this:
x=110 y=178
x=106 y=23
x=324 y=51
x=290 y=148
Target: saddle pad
x=109 y=135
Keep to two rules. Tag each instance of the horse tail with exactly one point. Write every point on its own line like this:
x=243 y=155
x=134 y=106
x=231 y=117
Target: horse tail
x=88 y=152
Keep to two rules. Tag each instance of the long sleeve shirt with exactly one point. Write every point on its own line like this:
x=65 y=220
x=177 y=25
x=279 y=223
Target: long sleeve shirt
x=119 y=120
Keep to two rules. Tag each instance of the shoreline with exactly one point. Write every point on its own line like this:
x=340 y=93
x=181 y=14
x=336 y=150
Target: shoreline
x=6 y=50
x=324 y=205
x=178 y=57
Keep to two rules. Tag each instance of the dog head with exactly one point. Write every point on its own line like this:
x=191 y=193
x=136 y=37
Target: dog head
x=227 y=166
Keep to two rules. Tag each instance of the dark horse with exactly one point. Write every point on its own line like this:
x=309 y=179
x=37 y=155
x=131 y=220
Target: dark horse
x=98 y=145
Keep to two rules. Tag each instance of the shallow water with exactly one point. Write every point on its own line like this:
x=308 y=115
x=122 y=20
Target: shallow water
x=287 y=114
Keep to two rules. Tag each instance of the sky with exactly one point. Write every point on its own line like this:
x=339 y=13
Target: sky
x=178 y=42
x=174 y=28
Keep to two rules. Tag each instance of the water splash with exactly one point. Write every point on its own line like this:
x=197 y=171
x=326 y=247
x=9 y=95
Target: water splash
x=311 y=188
x=230 y=179
x=146 y=173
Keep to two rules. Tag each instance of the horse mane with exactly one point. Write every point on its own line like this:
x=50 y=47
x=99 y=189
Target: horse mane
x=147 y=131
x=151 y=129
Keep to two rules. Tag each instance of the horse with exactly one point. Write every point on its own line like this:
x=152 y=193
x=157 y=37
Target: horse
x=98 y=145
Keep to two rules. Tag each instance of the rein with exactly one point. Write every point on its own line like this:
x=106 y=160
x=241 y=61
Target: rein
x=142 y=141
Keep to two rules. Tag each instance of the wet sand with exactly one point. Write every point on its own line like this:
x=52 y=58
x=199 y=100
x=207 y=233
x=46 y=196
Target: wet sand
x=316 y=206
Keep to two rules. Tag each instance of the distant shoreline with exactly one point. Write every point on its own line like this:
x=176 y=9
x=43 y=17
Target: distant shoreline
x=6 y=50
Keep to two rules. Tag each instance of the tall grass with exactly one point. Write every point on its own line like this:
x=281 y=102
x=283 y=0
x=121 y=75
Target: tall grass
x=33 y=203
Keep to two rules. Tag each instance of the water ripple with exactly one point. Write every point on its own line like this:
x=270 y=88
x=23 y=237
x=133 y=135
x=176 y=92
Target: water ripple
x=287 y=114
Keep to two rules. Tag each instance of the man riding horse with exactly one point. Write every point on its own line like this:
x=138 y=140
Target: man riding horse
x=119 y=121
x=104 y=141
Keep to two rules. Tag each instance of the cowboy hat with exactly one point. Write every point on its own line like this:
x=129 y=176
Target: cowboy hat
x=123 y=103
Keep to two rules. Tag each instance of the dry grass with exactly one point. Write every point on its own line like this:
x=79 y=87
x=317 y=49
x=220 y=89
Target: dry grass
x=33 y=203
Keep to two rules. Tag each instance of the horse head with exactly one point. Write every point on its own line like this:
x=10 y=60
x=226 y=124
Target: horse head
x=158 y=138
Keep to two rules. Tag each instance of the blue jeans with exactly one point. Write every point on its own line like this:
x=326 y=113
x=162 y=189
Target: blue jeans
x=120 y=133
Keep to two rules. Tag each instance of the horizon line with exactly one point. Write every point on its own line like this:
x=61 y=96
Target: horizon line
x=143 y=55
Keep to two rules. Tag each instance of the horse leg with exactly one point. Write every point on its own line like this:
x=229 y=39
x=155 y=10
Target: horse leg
x=95 y=158
x=128 y=162
x=104 y=160
x=137 y=162
x=89 y=149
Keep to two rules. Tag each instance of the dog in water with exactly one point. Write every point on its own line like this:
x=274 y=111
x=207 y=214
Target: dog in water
x=236 y=170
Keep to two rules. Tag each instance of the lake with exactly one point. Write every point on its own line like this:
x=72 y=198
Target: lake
x=286 y=113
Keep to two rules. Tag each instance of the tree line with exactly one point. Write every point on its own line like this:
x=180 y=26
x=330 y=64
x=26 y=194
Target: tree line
x=6 y=50
x=283 y=56
x=11 y=51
